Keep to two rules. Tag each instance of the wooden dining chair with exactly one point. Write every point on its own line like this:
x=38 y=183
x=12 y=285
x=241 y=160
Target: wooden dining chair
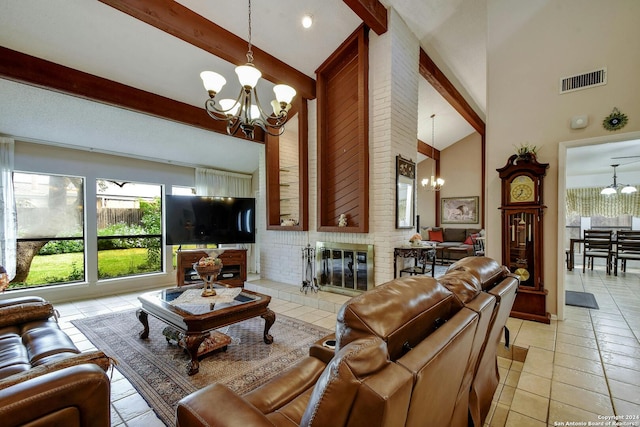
x=627 y=248
x=598 y=244
x=478 y=245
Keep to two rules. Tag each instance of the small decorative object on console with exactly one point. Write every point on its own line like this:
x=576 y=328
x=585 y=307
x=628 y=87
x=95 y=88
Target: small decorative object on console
x=415 y=239
x=342 y=221
x=208 y=269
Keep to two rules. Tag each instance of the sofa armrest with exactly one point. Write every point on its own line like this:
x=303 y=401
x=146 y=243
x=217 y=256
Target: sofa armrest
x=96 y=357
x=26 y=311
x=217 y=405
x=322 y=351
x=74 y=396
x=19 y=300
x=286 y=386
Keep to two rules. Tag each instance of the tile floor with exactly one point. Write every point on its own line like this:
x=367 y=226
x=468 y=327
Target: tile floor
x=579 y=370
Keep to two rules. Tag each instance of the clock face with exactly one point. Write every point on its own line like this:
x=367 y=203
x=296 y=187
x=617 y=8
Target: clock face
x=522 y=189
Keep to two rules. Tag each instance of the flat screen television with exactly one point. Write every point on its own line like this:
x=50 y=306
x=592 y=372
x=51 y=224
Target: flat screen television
x=205 y=220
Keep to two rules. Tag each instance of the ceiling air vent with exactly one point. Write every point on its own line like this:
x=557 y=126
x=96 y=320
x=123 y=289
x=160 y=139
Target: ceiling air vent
x=583 y=81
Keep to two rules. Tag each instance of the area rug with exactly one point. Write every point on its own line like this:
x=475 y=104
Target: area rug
x=157 y=368
x=581 y=299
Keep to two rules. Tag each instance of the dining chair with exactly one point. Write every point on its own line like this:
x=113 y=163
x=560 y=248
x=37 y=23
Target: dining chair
x=598 y=244
x=478 y=245
x=627 y=248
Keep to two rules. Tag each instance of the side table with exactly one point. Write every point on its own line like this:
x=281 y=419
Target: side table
x=422 y=255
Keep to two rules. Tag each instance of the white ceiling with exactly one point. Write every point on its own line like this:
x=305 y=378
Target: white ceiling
x=591 y=165
x=100 y=40
x=89 y=36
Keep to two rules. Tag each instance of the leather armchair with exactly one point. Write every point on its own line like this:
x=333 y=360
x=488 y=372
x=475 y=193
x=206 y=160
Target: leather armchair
x=44 y=379
x=72 y=397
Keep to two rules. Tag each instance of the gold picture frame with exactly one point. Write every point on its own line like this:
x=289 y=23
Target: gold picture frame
x=459 y=210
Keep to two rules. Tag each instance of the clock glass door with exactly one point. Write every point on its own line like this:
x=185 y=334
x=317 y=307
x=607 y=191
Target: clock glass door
x=521 y=233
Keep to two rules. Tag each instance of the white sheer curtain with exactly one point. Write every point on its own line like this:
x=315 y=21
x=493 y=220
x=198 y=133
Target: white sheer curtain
x=210 y=182
x=8 y=220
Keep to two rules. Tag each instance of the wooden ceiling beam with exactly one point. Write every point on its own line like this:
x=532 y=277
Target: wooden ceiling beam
x=23 y=68
x=430 y=71
x=372 y=12
x=428 y=150
x=183 y=23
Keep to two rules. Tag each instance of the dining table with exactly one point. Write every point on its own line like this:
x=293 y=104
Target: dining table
x=571 y=256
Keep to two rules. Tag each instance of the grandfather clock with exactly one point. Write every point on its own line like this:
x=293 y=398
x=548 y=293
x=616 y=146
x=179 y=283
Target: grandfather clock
x=522 y=214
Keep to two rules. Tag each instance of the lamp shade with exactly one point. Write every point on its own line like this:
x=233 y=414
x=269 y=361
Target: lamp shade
x=607 y=191
x=629 y=189
x=229 y=106
x=254 y=112
x=213 y=82
x=248 y=75
x=284 y=93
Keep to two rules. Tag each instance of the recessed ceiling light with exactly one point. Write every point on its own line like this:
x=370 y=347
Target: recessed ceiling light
x=307 y=21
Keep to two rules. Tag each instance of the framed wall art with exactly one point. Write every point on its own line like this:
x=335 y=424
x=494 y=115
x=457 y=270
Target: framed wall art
x=459 y=210
x=405 y=193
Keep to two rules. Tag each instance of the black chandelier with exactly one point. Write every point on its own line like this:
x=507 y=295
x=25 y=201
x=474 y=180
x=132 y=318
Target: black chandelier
x=242 y=113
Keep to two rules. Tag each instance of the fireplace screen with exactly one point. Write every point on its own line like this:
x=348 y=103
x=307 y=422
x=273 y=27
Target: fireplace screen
x=344 y=267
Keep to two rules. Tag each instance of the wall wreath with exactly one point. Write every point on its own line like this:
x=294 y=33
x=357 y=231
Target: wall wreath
x=615 y=121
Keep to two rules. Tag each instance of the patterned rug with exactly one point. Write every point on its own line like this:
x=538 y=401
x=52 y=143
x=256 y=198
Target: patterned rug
x=157 y=368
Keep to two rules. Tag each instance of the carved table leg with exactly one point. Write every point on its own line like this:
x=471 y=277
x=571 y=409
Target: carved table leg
x=192 y=343
x=143 y=317
x=269 y=319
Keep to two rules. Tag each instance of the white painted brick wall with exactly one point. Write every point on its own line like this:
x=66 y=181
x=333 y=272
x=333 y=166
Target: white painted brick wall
x=393 y=104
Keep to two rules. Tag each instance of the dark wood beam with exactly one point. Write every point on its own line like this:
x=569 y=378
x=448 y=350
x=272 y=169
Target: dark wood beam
x=19 y=67
x=372 y=12
x=430 y=71
x=428 y=150
x=180 y=21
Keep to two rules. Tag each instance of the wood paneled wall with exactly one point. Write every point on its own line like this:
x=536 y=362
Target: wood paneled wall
x=343 y=140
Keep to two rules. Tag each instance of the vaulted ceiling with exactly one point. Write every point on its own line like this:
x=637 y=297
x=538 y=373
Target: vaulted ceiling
x=96 y=38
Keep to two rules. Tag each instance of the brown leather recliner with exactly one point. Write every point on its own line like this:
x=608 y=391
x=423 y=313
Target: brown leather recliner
x=44 y=378
x=72 y=397
x=406 y=355
x=497 y=281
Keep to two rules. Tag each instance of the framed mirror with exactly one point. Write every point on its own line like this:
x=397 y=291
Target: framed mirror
x=405 y=193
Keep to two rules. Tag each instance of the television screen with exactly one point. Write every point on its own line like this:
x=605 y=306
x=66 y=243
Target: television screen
x=203 y=220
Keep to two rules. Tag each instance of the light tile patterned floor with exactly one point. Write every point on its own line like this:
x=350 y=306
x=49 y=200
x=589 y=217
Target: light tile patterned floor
x=582 y=369
x=578 y=370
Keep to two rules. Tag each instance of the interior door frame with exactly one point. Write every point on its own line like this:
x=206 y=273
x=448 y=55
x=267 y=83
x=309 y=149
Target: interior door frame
x=562 y=211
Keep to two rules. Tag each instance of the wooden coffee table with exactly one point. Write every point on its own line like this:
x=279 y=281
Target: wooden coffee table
x=195 y=318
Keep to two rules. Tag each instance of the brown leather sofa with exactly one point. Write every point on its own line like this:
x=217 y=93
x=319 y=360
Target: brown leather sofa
x=44 y=378
x=412 y=352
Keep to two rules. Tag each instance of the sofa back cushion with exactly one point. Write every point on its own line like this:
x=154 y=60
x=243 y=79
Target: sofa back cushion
x=487 y=270
x=464 y=284
x=401 y=312
x=19 y=313
x=436 y=236
x=455 y=235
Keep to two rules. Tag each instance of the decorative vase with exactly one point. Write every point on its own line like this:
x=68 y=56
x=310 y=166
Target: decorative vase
x=209 y=274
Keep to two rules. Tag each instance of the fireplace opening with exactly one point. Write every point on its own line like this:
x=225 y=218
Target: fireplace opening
x=345 y=268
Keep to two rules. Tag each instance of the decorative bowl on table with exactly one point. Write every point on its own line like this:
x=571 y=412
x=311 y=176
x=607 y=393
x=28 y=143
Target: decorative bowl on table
x=208 y=268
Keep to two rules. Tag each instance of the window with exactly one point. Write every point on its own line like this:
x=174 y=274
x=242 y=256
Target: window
x=129 y=217
x=50 y=213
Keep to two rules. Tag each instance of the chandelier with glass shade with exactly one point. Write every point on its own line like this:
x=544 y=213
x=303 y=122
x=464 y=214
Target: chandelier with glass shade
x=435 y=184
x=613 y=188
x=242 y=113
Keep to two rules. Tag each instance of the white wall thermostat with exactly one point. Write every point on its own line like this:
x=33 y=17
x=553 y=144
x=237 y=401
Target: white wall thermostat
x=579 y=122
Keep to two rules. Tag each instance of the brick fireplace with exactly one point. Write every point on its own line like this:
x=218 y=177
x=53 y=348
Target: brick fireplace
x=345 y=268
